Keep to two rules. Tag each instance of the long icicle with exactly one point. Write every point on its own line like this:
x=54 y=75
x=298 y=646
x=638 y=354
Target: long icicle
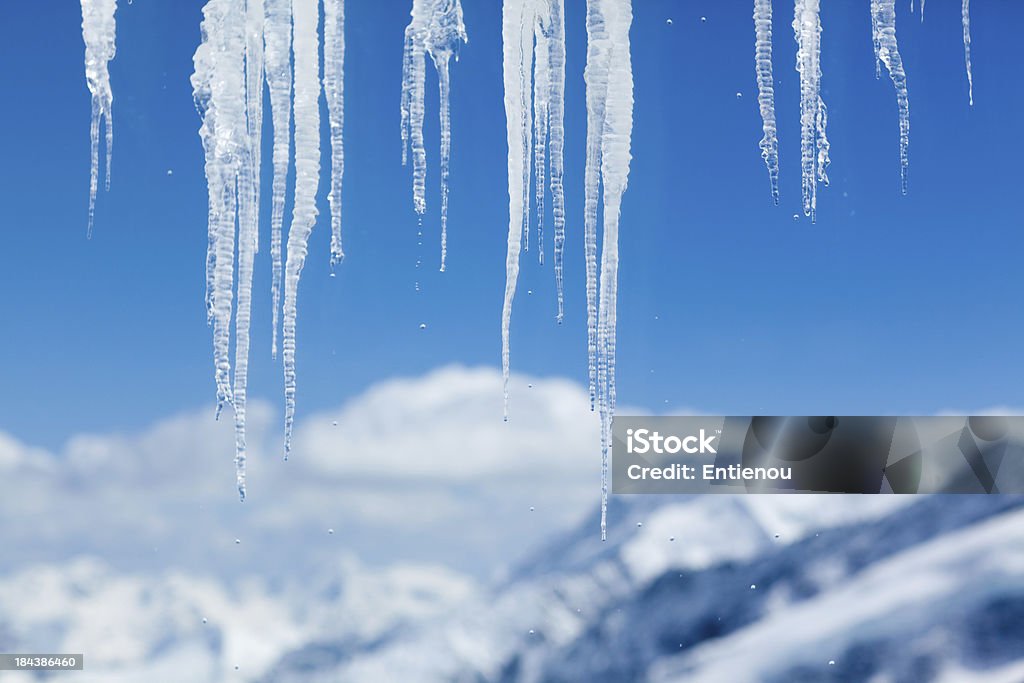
x=766 y=92
x=99 y=35
x=609 y=78
x=965 y=14
x=277 y=36
x=219 y=92
x=887 y=52
x=435 y=28
x=533 y=39
x=517 y=53
x=595 y=74
x=334 y=93
x=556 y=140
x=306 y=46
x=541 y=112
x=248 y=222
x=814 y=146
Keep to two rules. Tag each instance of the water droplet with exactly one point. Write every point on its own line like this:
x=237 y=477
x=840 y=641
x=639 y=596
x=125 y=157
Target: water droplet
x=639 y=524
x=330 y=531
x=423 y=326
x=238 y=541
x=831 y=662
x=776 y=535
x=532 y=508
x=334 y=423
x=796 y=216
x=671 y=538
x=531 y=631
x=529 y=386
x=703 y=20
x=169 y=171
x=739 y=96
x=753 y=586
x=668 y=21
x=334 y=274
x=529 y=292
x=204 y=620
x=236 y=667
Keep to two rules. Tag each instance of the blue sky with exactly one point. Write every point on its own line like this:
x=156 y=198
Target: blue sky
x=888 y=304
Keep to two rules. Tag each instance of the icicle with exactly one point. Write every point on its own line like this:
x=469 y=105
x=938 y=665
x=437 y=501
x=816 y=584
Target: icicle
x=306 y=46
x=883 y=13
x=98 y=32
x=556 y=138
x=219 y=90
x=277 y=35
x=248 y=222
x=436 y=28
x=334 y=91
x=541 y=109
x=766 y=92
x=518 y=18
x=922 y=11
x=609 y=80
x=965 y=13
x=813 y=114
x=533 y=39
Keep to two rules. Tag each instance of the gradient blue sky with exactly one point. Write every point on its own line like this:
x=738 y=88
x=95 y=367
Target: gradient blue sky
x=887 y=304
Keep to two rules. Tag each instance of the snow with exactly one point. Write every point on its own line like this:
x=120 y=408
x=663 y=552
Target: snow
x=306 y=46
x=99 y=33
x=436 y=27
x=874 y=603
x=766 y=91
x=883 y=23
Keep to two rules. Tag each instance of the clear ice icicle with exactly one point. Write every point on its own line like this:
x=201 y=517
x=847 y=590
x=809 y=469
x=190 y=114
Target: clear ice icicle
x=334 y=93
x=248 y=222
x=965 y=14
x=436 y=27
x=99 y=33
x=306 y=46
x=277 y=40
x=609 y=82
x=517 y=55
x=814 y=146
x=533 y=44
x=219 y=90
x=766 y=92
x=883 y=22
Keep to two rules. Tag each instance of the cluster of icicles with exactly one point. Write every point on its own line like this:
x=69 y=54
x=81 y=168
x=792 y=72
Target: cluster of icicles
x=249 y=43
x=814 y=146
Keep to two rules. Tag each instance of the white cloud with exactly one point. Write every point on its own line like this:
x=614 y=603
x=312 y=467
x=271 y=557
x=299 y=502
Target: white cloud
x=408 y=461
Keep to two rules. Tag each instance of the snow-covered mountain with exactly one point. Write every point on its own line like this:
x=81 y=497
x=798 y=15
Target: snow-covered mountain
x=179 y=627
x=722 y=588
